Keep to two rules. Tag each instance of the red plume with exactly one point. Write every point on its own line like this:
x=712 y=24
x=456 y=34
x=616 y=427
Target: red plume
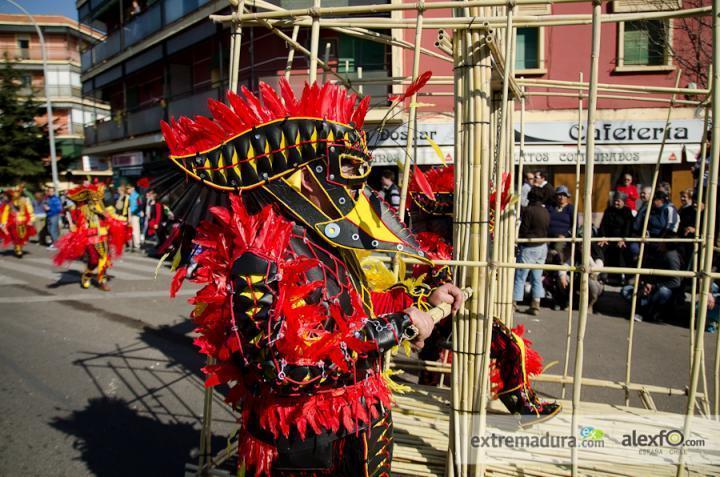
x=422 y=182
x=414 y=87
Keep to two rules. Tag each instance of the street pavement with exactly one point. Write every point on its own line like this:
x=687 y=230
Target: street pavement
x=108 y=383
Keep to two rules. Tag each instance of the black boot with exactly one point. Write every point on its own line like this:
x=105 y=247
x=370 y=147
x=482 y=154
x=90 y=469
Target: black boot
x=526 y=404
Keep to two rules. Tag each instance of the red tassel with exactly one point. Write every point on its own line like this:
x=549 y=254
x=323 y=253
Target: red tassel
x=423 y=183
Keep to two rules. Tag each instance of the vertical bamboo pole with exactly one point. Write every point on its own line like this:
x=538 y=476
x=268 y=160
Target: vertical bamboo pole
x=710 y=217
x=646 y=221
x=696 y=246
x=587 y=221
x=314 y=41
x=453 y=461
x=412 y=114
x=233 y=79
x=697 y=259
x=326 y=59
x=235 y=50
x=571 y=284
x=291 y=53
x=492 y=270
x=412 y=126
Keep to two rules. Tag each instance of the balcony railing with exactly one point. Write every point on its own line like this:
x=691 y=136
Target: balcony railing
x=145 y=120
x=139 y=28
x=34 y=53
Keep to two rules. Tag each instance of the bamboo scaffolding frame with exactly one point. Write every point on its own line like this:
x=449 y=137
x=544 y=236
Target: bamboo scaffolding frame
x=573 y=237
x=574 y=85
x=483 y=150
x=477 y=22
x=616 y=96
x=710 y=218
x=587 y=220
x=291 y=53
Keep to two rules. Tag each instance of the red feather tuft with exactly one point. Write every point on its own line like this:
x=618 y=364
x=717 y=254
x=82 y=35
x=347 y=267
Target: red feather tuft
x=422 y=182
x=143 y=182
x=414 y=87
x=331 y=102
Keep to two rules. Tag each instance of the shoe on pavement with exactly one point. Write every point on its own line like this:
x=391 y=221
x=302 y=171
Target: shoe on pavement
x=638 y=317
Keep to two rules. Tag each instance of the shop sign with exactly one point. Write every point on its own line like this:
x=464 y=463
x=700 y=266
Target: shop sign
x=604 y=154
x=127 y=159
x=442 y=134
x=393 y=156
x=612 y=132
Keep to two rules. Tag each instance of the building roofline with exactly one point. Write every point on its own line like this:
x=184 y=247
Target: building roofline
x=18 y=19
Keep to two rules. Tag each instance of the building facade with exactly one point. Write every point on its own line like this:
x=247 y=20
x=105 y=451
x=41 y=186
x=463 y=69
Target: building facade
x=162 y=59
x=64 y=39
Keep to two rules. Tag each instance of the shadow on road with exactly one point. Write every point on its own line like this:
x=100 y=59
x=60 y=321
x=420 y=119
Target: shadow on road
x=67 y=277
x=114 y=440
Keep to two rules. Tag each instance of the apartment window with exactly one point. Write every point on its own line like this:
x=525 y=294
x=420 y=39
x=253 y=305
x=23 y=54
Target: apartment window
x=644 y=44
x=26 y=83
x=23 y=45
x=354 y=52
x=529 y=51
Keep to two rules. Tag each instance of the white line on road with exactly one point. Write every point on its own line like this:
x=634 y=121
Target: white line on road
x=80 y=267
x=90 y=296
x=5 y=280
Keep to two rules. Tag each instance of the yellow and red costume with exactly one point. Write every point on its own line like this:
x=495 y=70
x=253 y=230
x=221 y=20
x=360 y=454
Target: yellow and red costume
x=16 y=220
x=97 y=234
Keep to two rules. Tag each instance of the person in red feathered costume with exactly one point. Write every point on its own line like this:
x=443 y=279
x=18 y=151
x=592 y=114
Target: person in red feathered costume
x=16 y=220
x=285 y=311
x=97 y=234
x=513 y=360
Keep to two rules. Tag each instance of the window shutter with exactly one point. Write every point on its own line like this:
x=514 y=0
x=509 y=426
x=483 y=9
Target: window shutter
x=625 y=6
x=533 y=10
x=526 y=55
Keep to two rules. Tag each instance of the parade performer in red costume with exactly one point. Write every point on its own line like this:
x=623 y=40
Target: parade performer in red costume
x=514 y=362
x=285 y=310
x=97 y=234
x=16 y=220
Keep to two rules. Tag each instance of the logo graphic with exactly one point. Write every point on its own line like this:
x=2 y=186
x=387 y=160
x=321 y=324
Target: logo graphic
x=589 y=433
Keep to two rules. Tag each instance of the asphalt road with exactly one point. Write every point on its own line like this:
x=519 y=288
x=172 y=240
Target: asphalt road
x=108 y=383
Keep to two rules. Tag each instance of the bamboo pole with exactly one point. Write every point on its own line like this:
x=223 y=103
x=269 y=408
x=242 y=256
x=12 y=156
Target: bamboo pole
x=609 y=86
x=314 y=40
x=492 y=270
x=646 y=221
x=617 y=96
x=710 y=217
x=235 y=50
x=356 y=32
x=291 y=53
x=412 y=116
x=308 y=53
x=587 y=220
x=696 y=234
x=477 y=22
x=384 y=8
x=571 y=283
x=453 y=460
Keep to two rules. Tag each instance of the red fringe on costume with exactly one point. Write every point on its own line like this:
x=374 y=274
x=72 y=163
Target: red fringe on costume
x=13 y=237
x=303 y=339
x=533 y=363
x=73 y=245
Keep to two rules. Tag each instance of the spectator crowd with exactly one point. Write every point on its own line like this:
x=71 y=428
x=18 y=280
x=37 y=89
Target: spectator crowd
x=149 y=217
x=547 y=216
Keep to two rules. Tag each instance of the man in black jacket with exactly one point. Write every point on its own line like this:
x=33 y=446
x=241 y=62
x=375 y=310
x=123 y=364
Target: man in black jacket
x=534 y=223
x=546 y=191
x=655 y=293
x=617 y=221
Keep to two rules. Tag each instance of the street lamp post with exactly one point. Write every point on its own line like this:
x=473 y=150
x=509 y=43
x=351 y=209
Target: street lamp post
x=48 y=104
